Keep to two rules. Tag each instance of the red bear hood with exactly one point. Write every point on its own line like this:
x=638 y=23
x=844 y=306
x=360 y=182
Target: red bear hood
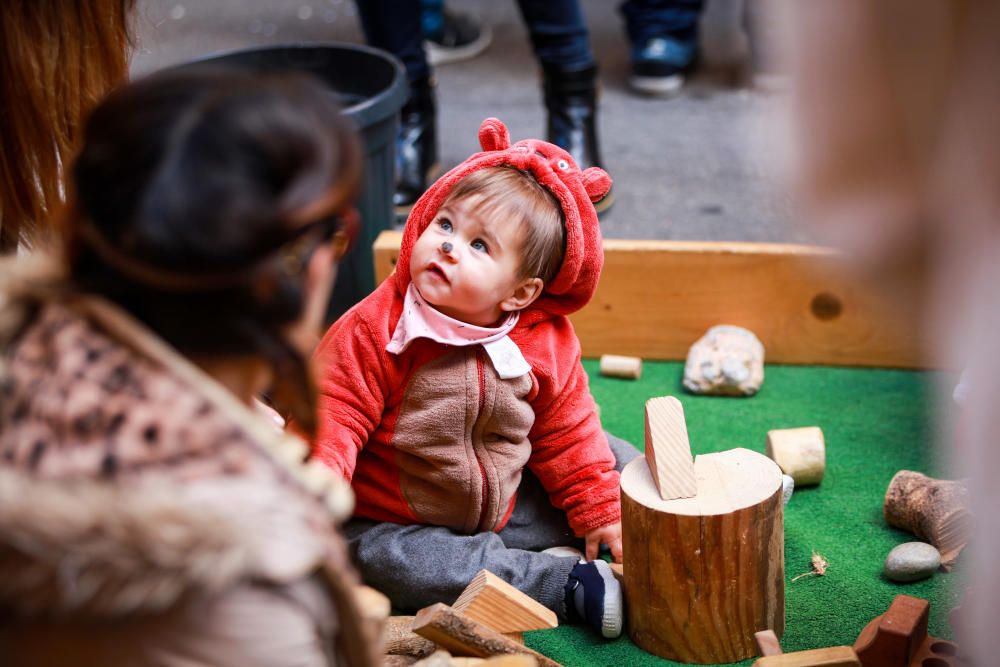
x=575 y=190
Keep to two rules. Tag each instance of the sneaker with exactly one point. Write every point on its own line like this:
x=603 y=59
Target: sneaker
x=660 y=64
x=594 y=596
x=450 y=37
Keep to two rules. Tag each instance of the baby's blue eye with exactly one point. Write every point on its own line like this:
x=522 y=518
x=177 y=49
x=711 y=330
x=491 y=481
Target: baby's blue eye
x=445 y=225
x=480 y=245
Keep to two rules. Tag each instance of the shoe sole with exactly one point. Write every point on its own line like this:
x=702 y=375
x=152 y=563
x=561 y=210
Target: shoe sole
x=437 y=55
x=611 y=621
x=657 y=85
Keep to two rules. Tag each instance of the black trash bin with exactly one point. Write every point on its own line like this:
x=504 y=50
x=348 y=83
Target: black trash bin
x=371 y=87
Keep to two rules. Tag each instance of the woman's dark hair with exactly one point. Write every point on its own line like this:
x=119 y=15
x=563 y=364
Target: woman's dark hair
x=189 y=190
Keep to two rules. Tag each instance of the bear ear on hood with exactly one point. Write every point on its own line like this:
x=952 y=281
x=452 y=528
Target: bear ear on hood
x=596 y=182
x=493 y=135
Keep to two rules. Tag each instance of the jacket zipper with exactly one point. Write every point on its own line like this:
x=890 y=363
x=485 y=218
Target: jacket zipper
x=482 y=469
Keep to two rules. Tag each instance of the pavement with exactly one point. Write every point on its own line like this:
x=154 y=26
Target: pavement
x=701 y=165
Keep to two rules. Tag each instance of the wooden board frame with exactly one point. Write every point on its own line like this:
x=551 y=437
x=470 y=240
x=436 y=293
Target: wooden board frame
x=656 y=298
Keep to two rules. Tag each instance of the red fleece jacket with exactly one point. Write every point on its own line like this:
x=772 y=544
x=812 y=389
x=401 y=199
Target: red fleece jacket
x=433 y=435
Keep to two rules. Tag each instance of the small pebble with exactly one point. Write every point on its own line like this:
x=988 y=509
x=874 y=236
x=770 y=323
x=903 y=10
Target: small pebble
x=912 y=561
x=787 y=487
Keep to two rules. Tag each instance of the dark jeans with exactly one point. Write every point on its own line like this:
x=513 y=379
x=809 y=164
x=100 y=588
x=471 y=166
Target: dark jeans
x=557 y=28
x=646 y=19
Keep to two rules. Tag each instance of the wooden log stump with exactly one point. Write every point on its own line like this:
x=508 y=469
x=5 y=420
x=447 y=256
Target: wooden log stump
x=934 y=509
x=705 y=573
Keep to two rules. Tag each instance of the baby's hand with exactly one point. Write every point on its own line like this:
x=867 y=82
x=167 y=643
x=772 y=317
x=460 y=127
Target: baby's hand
x=610 y=535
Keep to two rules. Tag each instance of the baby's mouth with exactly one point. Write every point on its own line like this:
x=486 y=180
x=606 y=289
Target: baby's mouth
x=437 y=272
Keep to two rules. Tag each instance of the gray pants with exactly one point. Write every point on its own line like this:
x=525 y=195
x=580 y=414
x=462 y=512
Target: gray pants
x=418 y=565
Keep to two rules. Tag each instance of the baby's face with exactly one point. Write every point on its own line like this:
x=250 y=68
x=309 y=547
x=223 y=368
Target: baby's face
x=465 y=265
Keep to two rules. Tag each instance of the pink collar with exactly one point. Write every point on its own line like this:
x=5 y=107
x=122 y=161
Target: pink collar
x=421 y=320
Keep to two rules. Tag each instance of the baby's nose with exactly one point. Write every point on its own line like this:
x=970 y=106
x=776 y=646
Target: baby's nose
x=446 y=247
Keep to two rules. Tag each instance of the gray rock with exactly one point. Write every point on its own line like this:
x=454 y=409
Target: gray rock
x=787 y=487
x=912 y=561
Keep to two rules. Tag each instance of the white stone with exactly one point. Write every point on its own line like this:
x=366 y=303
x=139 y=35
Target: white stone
x=787 y=488
x=727 y=361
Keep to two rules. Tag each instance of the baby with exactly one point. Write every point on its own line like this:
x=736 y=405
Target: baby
x=462 y=369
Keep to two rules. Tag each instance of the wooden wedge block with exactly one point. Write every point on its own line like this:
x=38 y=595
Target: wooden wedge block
x=496 y=604
x=834 y=656
x=668 y=451
x=463 y=636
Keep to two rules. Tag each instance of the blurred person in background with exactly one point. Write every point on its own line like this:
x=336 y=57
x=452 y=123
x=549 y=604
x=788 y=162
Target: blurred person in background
x=898 y=142
x=561 y=43
x=59 y=60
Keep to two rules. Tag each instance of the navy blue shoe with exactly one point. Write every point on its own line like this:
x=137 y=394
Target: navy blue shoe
x=660 y=64
x=594 y=597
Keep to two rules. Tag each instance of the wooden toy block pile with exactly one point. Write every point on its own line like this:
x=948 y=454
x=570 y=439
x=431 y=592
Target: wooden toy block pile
x=483 y=626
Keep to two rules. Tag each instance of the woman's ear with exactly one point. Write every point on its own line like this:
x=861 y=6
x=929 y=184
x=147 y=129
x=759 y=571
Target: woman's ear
x=523 y=295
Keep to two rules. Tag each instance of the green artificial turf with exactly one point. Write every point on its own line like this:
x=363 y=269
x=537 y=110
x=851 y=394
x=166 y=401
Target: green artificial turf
x=875 y=422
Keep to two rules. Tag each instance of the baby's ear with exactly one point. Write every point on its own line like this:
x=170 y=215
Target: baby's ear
x=493 y=135
x=596 y=182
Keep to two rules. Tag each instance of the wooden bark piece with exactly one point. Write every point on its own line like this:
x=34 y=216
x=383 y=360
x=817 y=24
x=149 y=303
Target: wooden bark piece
x=496 y=604
x=705 y=573
x=834 y=656
x=401 y=640
x=617 y=366
x=462 y=636
x=668 y=451
x=934 y=509
x=799 y=452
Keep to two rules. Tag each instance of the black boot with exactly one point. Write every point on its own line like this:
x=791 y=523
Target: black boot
x=571 y=101
x=416 y=146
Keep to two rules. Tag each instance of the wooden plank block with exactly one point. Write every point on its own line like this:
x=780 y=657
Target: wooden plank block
x=668 y=451
x=834 y=656
x=657 y=297
x=496 y=604
x=462 y=636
